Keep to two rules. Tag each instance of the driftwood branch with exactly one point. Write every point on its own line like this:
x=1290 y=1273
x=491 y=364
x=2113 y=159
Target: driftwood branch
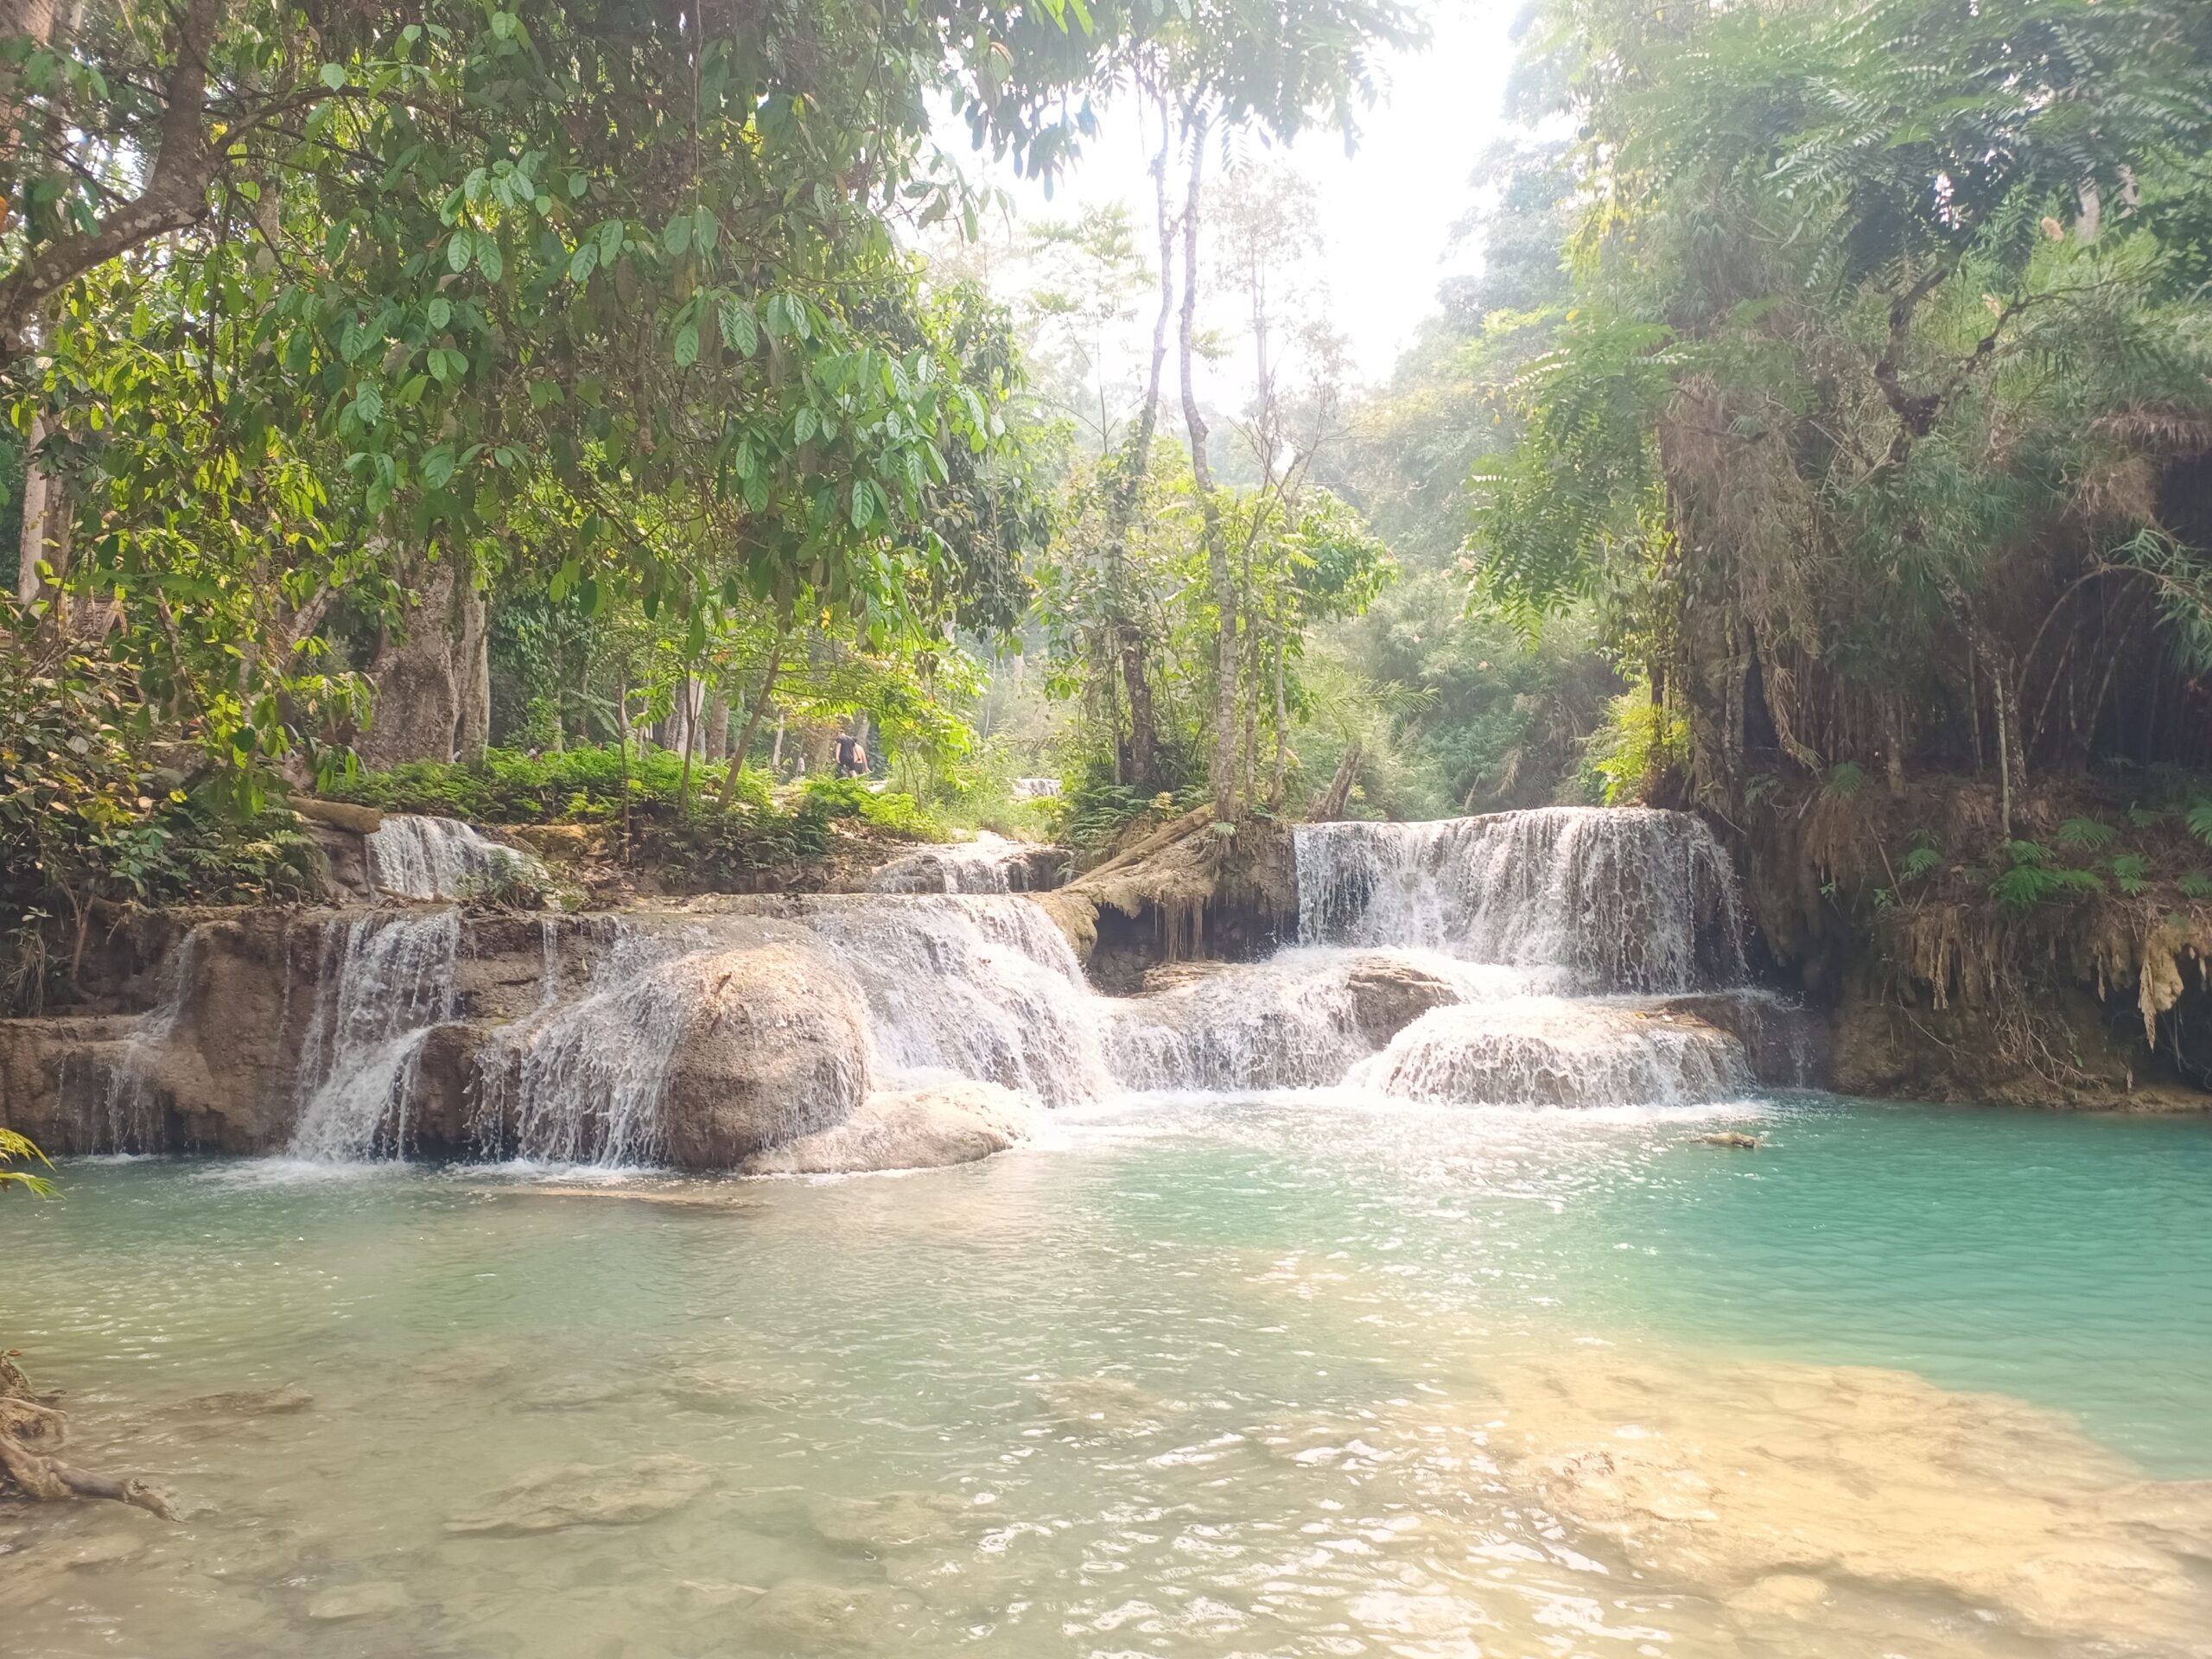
x=32 y=1432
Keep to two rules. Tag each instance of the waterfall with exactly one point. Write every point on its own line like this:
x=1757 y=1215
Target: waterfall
x=1615 y=899
x=131 y=1101
x=1557 y=957
x=415 y=856
x=1594 y=908
x=1552 y=1052
x=988 y=864
x=583 y=1081
x=982 y=988
x=968 y=987
x=384 y=982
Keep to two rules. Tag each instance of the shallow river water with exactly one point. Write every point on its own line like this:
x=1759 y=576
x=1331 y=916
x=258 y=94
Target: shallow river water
x=1301 y=1375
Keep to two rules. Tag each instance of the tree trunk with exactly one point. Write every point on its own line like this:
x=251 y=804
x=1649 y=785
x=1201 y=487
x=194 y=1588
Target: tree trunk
x=47 y=520
x=715 y=743
x=432 y=679
x=1219 y=568
x=175 y=194
x=1282 y=726
x=1332 y=802
x=472 y=676
x=753 y=721
x=1136 y=682
x=2011 y=764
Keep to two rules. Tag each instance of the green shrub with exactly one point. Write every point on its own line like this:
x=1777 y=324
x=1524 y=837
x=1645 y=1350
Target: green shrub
x=578 y=785
x=1632 y=747
x=849 y=797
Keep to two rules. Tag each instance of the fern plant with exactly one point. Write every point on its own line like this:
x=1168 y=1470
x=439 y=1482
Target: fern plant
x=2033 y=880
x=16 y=1149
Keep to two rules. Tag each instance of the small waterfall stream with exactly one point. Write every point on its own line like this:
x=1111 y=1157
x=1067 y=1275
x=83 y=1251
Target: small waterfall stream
x=1623 y=899
x=1597 y=912
x=384 y=983
x=414 y=856
x=129 y=1104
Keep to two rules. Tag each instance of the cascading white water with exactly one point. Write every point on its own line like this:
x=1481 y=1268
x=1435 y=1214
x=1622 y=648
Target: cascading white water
x=1297 y=1020
x=129 y=1104
x=1554 y=1051
x=989 y=863
x=414 y=856
x=583 y=1083
x=952 y=986
x=1477 y=961
x=971 y=986
x=1616 y=899
x=1595 y=906
x=384 y=983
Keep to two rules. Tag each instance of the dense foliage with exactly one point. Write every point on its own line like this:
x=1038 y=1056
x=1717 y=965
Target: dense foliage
x=1878 y=427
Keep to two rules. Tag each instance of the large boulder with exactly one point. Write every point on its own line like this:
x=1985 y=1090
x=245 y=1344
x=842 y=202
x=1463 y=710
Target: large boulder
x=946 y=1123
x=772 y=1046
x=1388 y=995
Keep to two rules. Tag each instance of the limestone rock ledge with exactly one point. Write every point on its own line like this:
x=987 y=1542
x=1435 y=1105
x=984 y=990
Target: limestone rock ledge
x=955 y=1122
x=220 y=1046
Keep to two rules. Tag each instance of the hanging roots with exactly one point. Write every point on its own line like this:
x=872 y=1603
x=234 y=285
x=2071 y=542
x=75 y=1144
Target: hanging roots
x=32 y=1432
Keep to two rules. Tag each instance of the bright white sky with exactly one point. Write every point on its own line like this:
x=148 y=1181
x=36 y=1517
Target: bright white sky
x=1386 y=210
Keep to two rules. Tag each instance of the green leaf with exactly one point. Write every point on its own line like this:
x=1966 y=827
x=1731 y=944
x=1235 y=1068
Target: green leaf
x=440 y=312
x=488 y=259
x=2085 y=832
x=438 y=465
x=583 y=262
x=1920 y=861
x=459 y=250
x=740 y=333
x=678 y=237
x=687 y=344
x=333 y=75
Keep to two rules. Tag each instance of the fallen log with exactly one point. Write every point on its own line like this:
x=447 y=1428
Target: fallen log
x=32 y=1433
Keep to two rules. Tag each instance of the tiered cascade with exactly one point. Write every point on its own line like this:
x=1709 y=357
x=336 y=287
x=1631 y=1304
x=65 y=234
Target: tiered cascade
x=1559 y=957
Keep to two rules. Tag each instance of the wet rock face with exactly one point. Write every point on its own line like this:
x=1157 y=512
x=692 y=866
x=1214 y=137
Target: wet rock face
x=773 y=1047
x=1387 y=996
x=912 y=1128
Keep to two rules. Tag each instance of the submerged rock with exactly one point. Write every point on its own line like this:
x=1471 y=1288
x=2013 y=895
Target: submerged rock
x=360 y=1601
x=858 y=1618
x=894 y=1520
x=1779 y=1488
x=914 y=1128
x=587 y=1495
x=248 y=1402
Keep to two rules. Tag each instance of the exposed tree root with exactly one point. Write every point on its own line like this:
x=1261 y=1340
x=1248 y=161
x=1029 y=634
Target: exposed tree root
x=33 y=1431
